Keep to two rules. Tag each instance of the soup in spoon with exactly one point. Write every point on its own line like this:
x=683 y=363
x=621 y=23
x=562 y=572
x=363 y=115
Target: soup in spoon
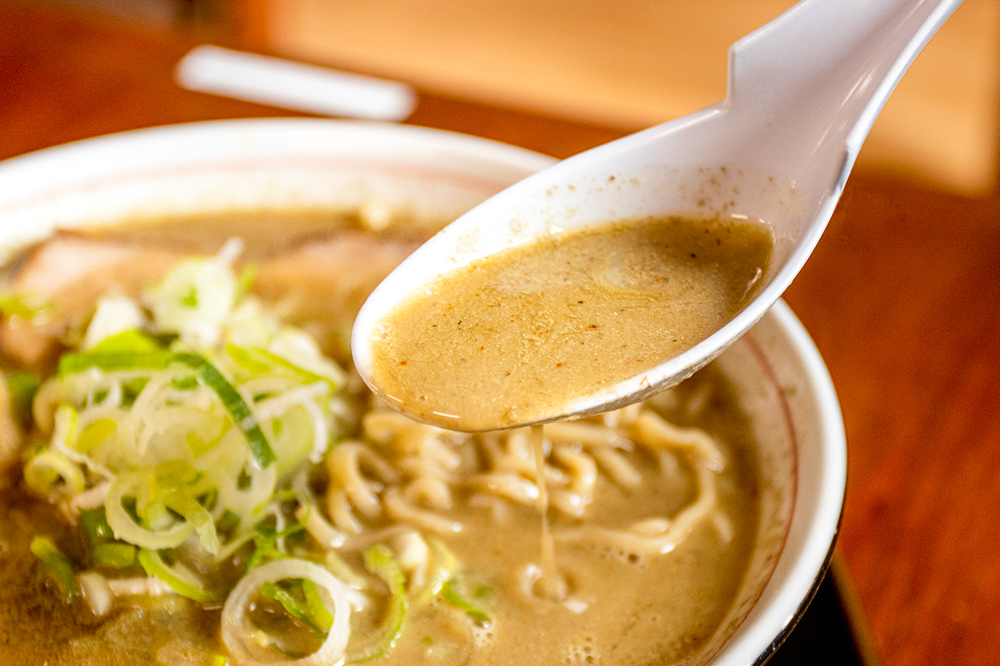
x=509 y=339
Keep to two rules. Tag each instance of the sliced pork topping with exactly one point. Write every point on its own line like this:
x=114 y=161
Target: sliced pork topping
x=71 y=273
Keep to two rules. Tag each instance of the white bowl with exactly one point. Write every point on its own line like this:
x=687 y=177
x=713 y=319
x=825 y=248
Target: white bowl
x=431 y=176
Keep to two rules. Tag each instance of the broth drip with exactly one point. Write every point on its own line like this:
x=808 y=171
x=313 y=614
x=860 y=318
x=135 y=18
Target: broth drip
x=551 y=584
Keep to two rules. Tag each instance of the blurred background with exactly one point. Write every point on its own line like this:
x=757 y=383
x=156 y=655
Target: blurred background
x=623 y=65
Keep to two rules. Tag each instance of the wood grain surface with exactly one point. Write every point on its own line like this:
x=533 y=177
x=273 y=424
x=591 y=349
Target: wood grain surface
x=902 y=297
x=638 y=63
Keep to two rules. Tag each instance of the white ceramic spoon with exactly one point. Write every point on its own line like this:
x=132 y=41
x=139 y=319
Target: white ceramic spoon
x=803 y=93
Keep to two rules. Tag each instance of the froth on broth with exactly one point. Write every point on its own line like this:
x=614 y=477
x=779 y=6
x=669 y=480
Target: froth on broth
x=653 y=510
x=510 y=338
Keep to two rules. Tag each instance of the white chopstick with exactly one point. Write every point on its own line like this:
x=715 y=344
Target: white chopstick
x=293 y=85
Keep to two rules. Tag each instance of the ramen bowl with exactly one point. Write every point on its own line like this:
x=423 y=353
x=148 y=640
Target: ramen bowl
x=385 y=172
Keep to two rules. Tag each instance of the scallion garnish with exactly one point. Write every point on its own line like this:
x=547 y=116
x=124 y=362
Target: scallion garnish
x=379 y=561
x=57 y=566
x=234 y=404
x=457 y=601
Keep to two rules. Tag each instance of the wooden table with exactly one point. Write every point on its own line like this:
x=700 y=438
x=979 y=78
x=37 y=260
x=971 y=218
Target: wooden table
x=902 y=297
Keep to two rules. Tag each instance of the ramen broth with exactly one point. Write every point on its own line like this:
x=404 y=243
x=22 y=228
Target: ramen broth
x=512 y=338
x=653 y=510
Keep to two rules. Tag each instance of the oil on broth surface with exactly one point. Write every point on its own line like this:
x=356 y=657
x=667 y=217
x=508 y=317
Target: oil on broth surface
x=510 y=338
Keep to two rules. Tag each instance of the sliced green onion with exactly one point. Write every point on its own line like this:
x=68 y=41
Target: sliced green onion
x=208 y=499
x=321 y=615
x=65 y=433
x=289 y=495
x=179 y=578
x=195 y=514
x=444 y=566
x=23 y=306
x=245 y=361
x=243 y=358
x=228 y=523
x=114 y=314
x=455 y=600
x=162 y=495
x=267 y=542
x=239 y=632
x=43 y=472
x=149 y=507
x=243 y=487
x=128 y=350
x=234 y=404
x=293 y=439
x=177 y=473
x=131 y=390
x=292 y=606
x=95 y=526
x=95 y=433
x=379 y=561
x=259 y=361
x=306 y=376
x=195 y=296
x=191 y=298
x=57 y=565
x=244 y=283
x=184 y=383
x=131 y=341
x=22 y=387
x=116 y=555
x=126 y=529
x=110 y=361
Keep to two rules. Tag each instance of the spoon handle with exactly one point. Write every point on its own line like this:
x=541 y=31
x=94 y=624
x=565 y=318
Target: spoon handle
x=816 y=77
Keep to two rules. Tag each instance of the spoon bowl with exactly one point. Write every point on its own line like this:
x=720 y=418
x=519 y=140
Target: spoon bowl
x=804 y=91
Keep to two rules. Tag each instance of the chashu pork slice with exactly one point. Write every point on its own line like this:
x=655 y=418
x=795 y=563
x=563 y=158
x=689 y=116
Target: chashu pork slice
x=11 y=436
x=320 y=285
x=72 y=273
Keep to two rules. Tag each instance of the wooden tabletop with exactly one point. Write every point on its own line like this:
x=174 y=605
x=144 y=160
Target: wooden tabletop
x=902 y=297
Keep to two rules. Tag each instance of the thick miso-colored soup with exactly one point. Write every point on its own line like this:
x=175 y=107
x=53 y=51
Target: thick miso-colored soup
x=636 y=606
x=511 y=338
x=432 y=536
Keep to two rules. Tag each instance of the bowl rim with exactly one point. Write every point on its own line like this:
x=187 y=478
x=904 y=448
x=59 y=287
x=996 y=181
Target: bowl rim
x=43 y=173
x=809 y=569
